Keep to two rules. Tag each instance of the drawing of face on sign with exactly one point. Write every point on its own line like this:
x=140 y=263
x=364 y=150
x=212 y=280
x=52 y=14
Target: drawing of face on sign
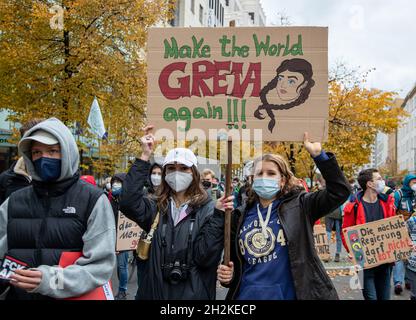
x=290 y=88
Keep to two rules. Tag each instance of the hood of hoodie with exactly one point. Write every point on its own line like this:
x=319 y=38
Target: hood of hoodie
x=150 y=183
x=119 y=176
x=69 y=148
x=407 y=191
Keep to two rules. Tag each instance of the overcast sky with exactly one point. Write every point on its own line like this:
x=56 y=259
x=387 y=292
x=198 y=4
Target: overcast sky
x=377 y=34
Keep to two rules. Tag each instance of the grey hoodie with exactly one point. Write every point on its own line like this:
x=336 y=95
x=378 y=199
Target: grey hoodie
x=69 y=148
x=96 y=265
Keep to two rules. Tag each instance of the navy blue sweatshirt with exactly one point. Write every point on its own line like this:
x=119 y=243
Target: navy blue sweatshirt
x=266 y=269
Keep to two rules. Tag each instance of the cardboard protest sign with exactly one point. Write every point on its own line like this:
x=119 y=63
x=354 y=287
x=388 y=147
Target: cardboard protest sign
x=321 y=242
x=380 y=242
x=128 y=233
x=273 y=79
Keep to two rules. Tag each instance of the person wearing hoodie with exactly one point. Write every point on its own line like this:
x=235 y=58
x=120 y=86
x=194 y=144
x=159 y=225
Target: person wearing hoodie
x=155 y=178
x=189 y=230
x=16 y=177
x=405 y=202
x=369 y=205
x=123 y=256
x=58 y=213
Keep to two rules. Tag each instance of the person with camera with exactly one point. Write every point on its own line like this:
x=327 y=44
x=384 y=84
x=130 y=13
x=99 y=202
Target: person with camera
x=187 y=227
x=272 y=253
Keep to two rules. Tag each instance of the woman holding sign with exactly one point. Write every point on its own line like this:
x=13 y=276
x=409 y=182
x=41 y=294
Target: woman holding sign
x=188 y=226
x=273 y=256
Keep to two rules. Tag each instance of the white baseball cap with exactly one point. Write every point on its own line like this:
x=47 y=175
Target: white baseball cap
x=39 y=136
x=182 y=156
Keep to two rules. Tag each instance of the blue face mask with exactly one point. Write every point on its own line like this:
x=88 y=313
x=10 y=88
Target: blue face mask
x=266 y=188
x=48 y=169
x=116 y=191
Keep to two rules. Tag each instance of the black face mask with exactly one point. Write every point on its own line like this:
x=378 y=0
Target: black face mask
x=206 y=184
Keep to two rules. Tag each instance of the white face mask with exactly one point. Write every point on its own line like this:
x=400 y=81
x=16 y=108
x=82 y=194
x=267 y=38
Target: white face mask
x=108 y=186
x=413 y=187
x=380 y=185
x=156 y=179
x=179 y=181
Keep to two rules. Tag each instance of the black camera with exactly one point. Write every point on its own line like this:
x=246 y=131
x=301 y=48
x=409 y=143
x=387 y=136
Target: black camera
x=175 y=272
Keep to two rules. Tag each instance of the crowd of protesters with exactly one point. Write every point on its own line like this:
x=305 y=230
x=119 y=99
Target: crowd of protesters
x=48 y=208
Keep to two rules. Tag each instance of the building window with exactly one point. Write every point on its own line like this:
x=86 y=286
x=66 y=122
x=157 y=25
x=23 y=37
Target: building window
x=222 y=15
x=227 y=3
x=211 y=4
x=193 y=6
x=251 y=14
x=201 y=14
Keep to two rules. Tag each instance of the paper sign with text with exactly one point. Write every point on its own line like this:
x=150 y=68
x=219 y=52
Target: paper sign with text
x=379 y=242
x=128 y=233
x=272 y=78
x=10 y=264
x=321 y=242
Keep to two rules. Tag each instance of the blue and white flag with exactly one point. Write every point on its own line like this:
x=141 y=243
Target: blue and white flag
x=95 y=120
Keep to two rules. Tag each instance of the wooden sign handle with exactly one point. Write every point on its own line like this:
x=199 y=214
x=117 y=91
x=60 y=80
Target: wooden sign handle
x=228 y=192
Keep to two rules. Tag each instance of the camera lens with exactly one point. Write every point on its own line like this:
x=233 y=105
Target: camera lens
x=175 y=276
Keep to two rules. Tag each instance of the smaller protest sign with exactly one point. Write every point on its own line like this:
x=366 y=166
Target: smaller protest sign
x=128 y=233
x=379 y=242
x=321 y=242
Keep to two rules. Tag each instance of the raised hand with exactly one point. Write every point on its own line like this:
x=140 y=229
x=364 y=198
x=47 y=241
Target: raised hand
x=147 y=143
x=314 y=148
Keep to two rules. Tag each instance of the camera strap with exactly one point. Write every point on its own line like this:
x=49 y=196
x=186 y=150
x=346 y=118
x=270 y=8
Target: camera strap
x=164 y=242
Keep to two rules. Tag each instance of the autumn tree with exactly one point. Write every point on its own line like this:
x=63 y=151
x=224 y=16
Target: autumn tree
x=55 y=56
x=356 y=114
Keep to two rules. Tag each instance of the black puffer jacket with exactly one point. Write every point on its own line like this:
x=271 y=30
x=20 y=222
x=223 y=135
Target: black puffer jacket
x=298 y=211
x=10 y=181
x=204 y=253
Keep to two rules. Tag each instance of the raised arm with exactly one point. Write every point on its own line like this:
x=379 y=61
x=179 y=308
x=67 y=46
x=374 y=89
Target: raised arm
x=320 y=203
x=133 y=202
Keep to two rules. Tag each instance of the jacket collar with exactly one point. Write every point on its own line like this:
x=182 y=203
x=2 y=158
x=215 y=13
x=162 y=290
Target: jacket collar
x=54 y=189
x=359 y=196
x=20 y=169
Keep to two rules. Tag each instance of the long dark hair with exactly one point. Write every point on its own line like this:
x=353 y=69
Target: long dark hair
x=294 y=65
x=195 y=193
x=151 y=188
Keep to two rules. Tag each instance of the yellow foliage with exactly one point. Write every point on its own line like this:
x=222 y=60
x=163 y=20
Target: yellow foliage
x=356 y=115
x=47 y=71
